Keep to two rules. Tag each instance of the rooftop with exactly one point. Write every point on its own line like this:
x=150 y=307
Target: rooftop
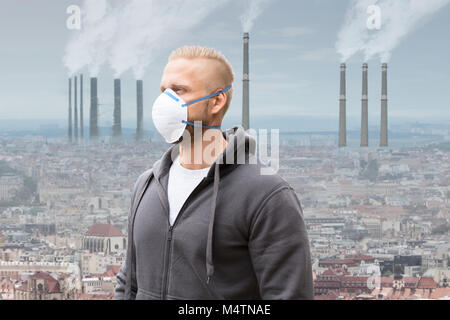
x=103 y=230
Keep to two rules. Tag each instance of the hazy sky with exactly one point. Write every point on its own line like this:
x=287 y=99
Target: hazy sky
x=294 y=69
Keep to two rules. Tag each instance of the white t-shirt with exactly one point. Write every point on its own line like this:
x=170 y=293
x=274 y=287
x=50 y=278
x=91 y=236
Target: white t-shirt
x=182 y=182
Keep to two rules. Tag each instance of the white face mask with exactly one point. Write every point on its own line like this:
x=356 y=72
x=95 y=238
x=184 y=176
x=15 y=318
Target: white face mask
x=170 y=114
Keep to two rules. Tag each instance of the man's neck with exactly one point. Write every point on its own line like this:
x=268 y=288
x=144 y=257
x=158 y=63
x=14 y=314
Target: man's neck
x=193 y=155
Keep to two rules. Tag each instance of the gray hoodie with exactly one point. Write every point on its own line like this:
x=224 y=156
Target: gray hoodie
x=239 y=235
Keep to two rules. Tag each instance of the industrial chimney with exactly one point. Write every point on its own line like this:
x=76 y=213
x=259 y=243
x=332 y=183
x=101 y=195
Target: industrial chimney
x=140 y=110
x=245 y=88
x=342 y=111
x=117 y=121
x=384 y=102
x=364 y=109
x=75 y=95
x=93 y=117
x=81 y=109
x=70 y=111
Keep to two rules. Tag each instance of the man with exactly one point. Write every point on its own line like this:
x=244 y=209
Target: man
x=210 y=226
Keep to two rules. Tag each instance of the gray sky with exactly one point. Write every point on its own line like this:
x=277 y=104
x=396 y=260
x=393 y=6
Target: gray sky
x=294 y=68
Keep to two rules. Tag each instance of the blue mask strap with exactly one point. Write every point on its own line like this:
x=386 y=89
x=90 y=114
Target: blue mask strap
x=207 y=97
x=171 y=95
x=203 y=126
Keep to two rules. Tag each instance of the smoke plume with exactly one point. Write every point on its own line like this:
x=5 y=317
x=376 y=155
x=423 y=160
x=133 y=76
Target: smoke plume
x=89 y=46
x=253 y=9
x=149 y=26
x=398 y=19
x=131 y=33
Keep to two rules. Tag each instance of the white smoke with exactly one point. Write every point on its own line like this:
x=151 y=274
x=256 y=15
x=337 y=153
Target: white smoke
x=354 y=33
x=398 y=19
x=132 y=33
x=253 y=9
x=149 y=26
x=89 y=46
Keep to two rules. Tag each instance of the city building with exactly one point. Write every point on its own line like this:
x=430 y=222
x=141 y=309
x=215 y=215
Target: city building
x=104 y=238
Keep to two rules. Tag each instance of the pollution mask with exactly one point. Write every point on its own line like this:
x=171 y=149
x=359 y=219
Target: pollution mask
x=170 y=115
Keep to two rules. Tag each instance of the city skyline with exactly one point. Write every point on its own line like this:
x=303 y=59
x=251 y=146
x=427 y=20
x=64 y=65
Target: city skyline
x=376 y=217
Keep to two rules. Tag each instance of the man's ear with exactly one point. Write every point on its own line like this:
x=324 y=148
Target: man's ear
x=218 y=104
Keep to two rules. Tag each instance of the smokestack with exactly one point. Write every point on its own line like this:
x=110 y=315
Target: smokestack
x=75 y=95
x=384 y=103
x=93 y=117
x=81 y=109
x=364 y=109
x=245 y=88
x=140 y=110
x=70 y=111
x=117 y=121
x=342 y=111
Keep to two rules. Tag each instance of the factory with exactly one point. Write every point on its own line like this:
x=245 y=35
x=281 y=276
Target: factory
x=76 y=118
x=364 y=107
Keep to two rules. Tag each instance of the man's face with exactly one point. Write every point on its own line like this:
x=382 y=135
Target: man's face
x=191 y=79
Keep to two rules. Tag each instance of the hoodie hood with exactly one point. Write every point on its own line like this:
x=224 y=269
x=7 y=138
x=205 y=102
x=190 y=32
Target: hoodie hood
x=240 y=149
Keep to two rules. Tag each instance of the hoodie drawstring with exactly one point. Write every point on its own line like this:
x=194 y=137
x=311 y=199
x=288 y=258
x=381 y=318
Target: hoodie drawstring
x=209 y=244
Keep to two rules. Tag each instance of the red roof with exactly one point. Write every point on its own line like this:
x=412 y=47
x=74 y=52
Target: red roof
x=331 y=295
x=328 y=272
x=354 y=278
x=53 y=284
x=360 y=258
x=111 y=272
x=342 y=271
x=337 y=261
x=387 y=280
x=427 y=283
x=410 y=282
x=440 y=293
x=86 y=296
x=103 y=230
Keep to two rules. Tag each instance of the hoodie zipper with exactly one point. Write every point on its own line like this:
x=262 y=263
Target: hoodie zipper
x=199 y=187
x=167 y=261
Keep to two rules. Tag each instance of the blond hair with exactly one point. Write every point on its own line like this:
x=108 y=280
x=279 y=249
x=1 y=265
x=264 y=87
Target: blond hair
x=198 y=52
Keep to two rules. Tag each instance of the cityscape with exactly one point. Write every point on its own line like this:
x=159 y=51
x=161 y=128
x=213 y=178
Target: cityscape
x=368 y=211
x=356 y=92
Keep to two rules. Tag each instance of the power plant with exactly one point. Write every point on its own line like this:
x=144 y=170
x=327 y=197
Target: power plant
x=117 y=117
x=76 y=124
x=384 y=111
x=75 y=110
x=364 y=108
x=342 y=110
x=93 y=114
x=70 y=112
x=140 y=110
x=245 y=86
x=81 y=109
